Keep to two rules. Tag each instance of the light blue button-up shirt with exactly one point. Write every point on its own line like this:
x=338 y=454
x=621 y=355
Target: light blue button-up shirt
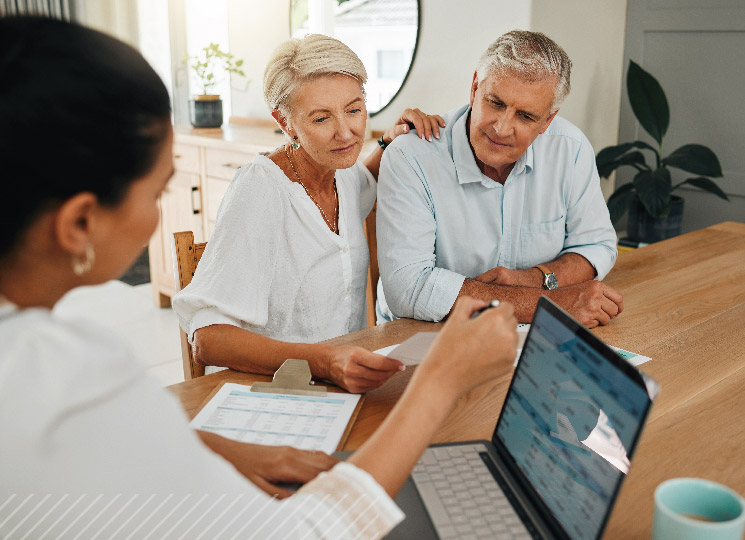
x=441 y=220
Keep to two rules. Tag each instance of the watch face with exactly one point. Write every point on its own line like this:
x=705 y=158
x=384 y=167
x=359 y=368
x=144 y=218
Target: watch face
x=551 y=282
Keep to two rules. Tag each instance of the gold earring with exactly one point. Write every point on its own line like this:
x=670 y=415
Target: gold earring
x=82 y=265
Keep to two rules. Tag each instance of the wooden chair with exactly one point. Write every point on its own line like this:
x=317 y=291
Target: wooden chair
x=374 y=272
x=186 y=255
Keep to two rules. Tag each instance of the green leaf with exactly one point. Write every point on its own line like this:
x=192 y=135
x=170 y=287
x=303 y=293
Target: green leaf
x=653 y=189
x=632 y=158
x=706 y=185
x=648 y=101
x=611 y=153
x=239 y=63
x=619 y=202
x=696 y=159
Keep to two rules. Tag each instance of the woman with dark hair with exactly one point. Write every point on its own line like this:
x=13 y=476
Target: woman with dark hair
x=85 y=146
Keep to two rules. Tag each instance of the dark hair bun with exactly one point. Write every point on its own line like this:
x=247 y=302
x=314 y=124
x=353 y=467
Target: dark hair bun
x=79 y=111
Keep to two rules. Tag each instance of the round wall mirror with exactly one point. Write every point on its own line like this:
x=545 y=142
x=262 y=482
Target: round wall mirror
x=383 y=33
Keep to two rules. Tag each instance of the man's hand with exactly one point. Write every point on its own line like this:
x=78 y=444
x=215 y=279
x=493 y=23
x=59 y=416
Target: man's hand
x=592 y=303
x=358 y=370
x=265 y=466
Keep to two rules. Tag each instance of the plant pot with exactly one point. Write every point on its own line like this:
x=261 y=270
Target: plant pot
x=205 y=111
x=642 y=227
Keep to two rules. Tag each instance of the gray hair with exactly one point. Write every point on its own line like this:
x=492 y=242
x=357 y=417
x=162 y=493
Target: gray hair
x=531 y=56
x=298 y=60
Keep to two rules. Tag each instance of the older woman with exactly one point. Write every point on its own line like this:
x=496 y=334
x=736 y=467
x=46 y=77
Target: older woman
x=286 y=266
x=80 y=420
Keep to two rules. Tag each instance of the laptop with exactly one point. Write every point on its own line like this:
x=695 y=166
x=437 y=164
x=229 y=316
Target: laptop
x=562 y=445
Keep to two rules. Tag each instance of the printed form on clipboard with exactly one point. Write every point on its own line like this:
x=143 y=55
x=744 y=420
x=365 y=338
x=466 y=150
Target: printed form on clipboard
x=308 y=422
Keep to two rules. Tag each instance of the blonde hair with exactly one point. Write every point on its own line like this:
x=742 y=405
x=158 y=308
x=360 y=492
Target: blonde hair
x=531 y=56
x=298 y=60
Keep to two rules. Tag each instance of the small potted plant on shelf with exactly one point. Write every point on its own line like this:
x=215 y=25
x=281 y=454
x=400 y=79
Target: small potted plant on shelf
x=654 y=212
x=205 y=110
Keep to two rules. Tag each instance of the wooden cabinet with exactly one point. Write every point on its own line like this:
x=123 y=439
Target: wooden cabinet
x=205 y=161
x=180 y=210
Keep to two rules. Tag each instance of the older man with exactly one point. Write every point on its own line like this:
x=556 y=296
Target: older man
x=506 y=204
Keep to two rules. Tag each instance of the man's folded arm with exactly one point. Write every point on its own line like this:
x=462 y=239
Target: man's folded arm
x=569 y=269
x=524 y=299
x=589 y=230
x=413 y=286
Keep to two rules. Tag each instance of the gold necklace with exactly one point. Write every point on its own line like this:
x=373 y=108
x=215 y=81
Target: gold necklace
x=334 y=226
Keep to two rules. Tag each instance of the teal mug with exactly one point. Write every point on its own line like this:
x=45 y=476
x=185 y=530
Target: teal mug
x=697 y=509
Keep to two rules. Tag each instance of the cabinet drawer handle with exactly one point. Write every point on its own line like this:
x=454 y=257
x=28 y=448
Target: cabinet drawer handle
x=178 y=156
x=232 y=166
x=196 y=202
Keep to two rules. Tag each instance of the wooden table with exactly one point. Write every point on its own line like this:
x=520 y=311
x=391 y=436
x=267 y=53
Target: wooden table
x=684 y=306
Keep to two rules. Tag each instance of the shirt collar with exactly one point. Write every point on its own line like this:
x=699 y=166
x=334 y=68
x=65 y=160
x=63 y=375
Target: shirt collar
x=466 y=167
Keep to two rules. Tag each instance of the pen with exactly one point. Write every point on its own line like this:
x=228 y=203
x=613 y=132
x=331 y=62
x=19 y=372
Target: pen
x=493 y=303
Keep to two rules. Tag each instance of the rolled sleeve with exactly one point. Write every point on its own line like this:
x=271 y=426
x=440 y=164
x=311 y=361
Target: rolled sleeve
x=589 y=230
x=414 y=287
x=361 y=507
x=207 y=316
x=234 y=276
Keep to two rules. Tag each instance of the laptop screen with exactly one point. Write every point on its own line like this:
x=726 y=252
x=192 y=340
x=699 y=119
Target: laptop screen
x=570 y=420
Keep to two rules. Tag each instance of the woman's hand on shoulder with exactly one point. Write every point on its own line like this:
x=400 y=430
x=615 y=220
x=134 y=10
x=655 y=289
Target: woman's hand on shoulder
x=358 y=370
x=470 y=352
x=426 y=125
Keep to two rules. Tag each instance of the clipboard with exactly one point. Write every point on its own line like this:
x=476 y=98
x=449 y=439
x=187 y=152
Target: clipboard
x=293 y=377
x=293 y=381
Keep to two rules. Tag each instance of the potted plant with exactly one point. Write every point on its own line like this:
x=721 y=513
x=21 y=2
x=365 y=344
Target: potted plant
x=654 y=212
x=205 y=110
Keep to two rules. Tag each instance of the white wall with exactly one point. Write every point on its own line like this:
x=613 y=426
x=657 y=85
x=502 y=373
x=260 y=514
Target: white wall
x=115 y=17
x=256 y=28
x=592 y=32
x=154 y=43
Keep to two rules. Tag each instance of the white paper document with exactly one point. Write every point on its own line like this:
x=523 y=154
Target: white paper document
x=633 y=358
x=412 y=351
x=306 y=422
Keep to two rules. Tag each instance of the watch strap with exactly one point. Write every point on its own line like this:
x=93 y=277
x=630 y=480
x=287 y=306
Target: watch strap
x=549 y=278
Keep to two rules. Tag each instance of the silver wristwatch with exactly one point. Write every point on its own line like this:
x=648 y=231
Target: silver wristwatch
x=549 y=279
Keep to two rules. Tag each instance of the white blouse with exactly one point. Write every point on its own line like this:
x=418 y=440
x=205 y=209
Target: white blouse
x=272 y=266
x=79 y=417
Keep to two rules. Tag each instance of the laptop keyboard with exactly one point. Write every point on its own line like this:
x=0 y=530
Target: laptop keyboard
x=462 y=497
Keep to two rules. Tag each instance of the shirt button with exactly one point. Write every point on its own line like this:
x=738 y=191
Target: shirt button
x=344 y=249
x=349 y=289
